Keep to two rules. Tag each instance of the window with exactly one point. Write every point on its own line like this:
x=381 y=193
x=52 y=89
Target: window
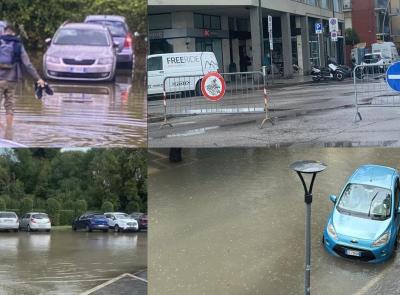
x=324 y=4
x=160 y=21
x=204 y=21
x=154 y=63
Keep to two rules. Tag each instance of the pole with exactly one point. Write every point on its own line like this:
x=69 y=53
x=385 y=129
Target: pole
x=384 y=19
x=319 y=50
x=260 y=23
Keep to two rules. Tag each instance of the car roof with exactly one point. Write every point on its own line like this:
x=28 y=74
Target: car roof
x=114 y=213
x=105 y=17
x=375 y=175
x=84 y=26
x=8 y=212
x=36 y=213
x=181 y=53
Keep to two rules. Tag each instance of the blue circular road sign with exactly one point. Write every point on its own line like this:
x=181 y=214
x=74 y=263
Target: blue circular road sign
x=393 y=76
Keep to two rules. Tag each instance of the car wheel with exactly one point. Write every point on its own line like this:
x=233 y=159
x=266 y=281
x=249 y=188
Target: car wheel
x=88 y=229
x=16 y=230
x=47 y=230
x=116 y=228
x=28 y=228
x=397 y=242
x=74 y=228
x=323 y=239
x=198 y=89
x=105 y=230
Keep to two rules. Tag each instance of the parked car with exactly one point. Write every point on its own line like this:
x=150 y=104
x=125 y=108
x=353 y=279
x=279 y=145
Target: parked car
x=91 y=221
x=3 y=25
x=141 y=218
x=80 y=52
x=161 y=66
x=121 y=222
x=364 y=222
x=35 y=221
x=9 y=221
x=120 y=34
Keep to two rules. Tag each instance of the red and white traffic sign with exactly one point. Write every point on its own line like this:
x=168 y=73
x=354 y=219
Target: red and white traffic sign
x=213 y=86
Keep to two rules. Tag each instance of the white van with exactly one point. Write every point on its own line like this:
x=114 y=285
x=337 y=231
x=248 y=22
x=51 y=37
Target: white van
x=387 y=49
x=160 y=66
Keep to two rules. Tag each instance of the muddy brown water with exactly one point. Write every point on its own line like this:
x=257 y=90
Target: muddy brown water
x=81 y=113
x=231 y=221
x=66 y=262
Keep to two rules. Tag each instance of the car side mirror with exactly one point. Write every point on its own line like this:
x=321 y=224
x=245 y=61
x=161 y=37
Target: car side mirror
x=333 y=198
x=48 y=41
x=398 y=210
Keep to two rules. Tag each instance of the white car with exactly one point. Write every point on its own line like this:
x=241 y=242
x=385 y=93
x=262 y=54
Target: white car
x=9 y=221
x=121 y=222
x=35 y=221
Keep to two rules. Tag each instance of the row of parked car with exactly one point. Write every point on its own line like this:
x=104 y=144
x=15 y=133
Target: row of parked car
x=88 y=51
x=90 y=221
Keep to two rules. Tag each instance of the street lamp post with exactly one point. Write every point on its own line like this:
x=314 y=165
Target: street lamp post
x=307 y=167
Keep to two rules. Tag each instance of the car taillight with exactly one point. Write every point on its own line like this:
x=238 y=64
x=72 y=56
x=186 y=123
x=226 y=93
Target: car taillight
x=128 y=41
x=33 y=220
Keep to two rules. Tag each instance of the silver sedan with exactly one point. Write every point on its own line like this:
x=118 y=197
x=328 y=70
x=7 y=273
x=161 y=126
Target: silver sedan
x=81 y=52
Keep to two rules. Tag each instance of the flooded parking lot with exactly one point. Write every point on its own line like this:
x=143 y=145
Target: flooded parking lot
x=80 y=114
x=66 y=262
x=231 y=221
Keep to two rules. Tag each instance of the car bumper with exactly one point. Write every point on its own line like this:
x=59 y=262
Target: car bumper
x=125 y=56
x=4 y=226
x=79 y=73
x=130 y=227
x=370 y=255
x=45 y=226
x=99 y=226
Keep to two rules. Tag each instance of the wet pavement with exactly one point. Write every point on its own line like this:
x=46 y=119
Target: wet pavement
x=66 y=262
x=231 y=221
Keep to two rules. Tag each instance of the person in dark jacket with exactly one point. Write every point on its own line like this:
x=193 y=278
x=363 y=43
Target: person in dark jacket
x=10 y=75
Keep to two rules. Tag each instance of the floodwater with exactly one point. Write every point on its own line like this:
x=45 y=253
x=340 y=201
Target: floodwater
x=66 y=262
x=80 y=114
x=231 y=221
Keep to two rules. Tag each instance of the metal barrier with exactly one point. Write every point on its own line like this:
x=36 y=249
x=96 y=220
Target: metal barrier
x=246 y=92
x=371 y=88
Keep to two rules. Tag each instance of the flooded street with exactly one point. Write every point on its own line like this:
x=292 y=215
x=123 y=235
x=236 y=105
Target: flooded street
x=79 y=114
x=66 y=262
x=231 y=221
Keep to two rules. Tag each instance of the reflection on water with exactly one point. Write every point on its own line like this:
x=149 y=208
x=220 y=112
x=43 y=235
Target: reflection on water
x=80 y=114
x=231 y=221
x=67 y=262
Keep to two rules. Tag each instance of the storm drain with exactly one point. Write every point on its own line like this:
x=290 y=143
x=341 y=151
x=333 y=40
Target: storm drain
x=126 y=284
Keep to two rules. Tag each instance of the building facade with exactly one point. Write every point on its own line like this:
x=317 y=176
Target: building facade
x=237 y=31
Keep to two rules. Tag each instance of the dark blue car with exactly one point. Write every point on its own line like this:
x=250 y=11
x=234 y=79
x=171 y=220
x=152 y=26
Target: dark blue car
x=91 y=222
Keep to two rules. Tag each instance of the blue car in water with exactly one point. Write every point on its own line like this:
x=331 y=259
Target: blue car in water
x=91 y=221
x=364 y=222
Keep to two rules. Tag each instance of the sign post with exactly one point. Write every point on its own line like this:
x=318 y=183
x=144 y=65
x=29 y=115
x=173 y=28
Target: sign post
x=213 y=86
x=318 y=31
x=271 y=45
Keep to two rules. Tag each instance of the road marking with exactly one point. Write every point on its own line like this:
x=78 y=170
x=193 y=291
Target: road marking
x=110 y=282
x=371 y=283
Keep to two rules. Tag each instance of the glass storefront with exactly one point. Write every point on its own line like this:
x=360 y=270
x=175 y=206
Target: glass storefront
x=211 y=45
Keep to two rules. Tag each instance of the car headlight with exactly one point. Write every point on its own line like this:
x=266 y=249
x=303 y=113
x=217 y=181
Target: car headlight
x=382 y=240
x=105 y=61
x=52 y=59
x=332 y=232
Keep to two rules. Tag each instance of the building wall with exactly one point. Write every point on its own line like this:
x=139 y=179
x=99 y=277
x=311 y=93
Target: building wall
x=395 y=22
x=364 y=20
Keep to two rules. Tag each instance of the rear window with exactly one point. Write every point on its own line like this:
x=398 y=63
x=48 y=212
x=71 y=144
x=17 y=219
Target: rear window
x=83 y=37
x=98 y=216
x=122 y=216
x=117 y=29
x=8 y=215
x=40 y=216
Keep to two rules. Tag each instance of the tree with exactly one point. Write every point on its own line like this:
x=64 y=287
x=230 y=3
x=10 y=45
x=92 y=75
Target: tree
x=2 y=204
x=107 y=207
x=53 y=210
x=26 y=205
x=351 y=37
x=80 y=207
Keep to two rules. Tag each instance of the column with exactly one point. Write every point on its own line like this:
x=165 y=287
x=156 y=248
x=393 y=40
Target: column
x=255 y=38
x=286 y=45
x=305 y=46
x=322 y=54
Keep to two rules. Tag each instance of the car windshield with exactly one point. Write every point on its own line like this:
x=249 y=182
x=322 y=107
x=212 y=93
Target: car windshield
x=366 y=201
x=98 y=216
x=117 y=29
x=8 y=215
x=372 y=58
x=122 y=216
x=81 y=37
x=40 y=216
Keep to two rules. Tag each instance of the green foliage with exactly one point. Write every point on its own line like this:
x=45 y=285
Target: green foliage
x=107 y=207
x=351 y=37
x=39 y=20
x=2 y=204
x=26 y=205
x=66 y=217
x=80 y=207
x=53 y=210
x=75 y=180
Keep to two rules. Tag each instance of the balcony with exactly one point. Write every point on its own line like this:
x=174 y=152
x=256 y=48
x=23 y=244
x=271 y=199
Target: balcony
x=346 y=5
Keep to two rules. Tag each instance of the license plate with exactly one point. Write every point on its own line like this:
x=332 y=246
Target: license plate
x=78 y=70
x=353 y=253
